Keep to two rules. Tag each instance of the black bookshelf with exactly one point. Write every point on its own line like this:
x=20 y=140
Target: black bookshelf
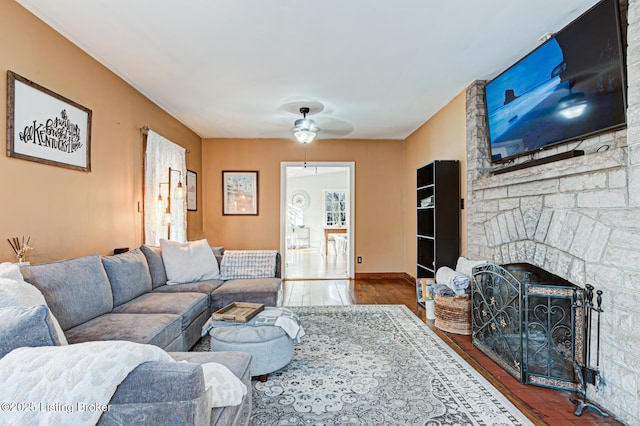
x=438 y=217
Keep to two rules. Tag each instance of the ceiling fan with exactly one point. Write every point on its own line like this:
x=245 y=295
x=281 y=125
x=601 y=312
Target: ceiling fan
x=305 y=129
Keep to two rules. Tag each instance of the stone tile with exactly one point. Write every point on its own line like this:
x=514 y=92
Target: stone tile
x=583 y=236
x=561 y=201
x=511 y=226
x=543 y=225
x=520 y=226
x=622 y=258
x=603 y=199
x=617 y=178
x=555 y=228
x=584 y=182
x=502 y=227
x=598 y=242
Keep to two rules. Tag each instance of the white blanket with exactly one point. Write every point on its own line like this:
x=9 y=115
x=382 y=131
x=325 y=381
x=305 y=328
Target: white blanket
x=67 y=385
x=282 y=318
x=457 y=281
x=72 y=385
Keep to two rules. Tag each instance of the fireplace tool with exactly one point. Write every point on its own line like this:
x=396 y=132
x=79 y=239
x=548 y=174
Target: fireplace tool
x=585 y=371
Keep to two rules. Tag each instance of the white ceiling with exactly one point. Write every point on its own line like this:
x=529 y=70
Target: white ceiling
x=242 y=68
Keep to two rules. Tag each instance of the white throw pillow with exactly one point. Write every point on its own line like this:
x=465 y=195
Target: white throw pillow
x=189 y=262
x=465 y=266
x=16 y=293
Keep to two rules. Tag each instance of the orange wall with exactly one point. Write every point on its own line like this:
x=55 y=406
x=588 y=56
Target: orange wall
x=378 y=203
x=443 y=137
x=70 y=213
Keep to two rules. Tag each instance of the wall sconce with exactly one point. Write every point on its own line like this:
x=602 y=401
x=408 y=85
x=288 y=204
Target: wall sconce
x=179 y=195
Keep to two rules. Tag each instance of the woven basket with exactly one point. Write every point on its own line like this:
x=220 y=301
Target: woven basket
x=453 y=314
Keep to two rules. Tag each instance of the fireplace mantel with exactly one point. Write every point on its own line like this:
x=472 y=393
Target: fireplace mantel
x=595 y=162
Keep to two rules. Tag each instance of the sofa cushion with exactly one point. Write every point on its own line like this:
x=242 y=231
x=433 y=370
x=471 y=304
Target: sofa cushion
x=20 y=327
x=77 y=290
x=203 y=287
x=188 y=305
x=160 y=393
x=160 y=381
x=156 y=265
x=16 y=293
x=257 y=290
x=155 y=329
x=128 y=274
x=189 y=262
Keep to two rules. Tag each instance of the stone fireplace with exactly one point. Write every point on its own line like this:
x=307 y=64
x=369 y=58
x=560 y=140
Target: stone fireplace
x=577 y=218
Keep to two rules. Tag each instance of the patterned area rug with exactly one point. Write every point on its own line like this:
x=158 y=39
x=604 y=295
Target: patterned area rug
x=376 y=365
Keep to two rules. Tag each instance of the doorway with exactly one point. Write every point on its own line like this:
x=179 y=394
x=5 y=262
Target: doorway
x=317 y=220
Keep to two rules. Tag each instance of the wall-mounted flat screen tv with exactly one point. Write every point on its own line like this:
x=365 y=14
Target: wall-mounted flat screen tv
x=570 y=87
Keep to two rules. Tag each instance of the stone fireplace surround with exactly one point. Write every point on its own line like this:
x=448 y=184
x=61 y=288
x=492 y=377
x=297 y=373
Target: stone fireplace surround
x=577 y=218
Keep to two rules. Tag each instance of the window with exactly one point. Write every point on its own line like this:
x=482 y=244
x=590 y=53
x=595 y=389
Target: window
x=163 y=220
x=335 y=209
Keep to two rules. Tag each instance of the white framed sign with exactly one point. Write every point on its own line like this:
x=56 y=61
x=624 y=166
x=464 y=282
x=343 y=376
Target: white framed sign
x=46 y=127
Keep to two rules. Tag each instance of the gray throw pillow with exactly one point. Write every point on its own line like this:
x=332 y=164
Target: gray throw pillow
x=156 y=265
x=20 y=327
x=128 y=274
x=77 y=290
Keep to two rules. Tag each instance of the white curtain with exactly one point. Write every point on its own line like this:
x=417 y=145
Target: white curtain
x=162 y=154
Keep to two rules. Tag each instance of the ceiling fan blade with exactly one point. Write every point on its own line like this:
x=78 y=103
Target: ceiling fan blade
x=332 y=127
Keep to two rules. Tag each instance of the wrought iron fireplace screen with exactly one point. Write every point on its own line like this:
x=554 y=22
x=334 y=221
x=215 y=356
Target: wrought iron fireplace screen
x=524 y=318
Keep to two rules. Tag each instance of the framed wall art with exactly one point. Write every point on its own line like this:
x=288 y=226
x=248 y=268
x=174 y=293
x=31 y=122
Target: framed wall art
x=46 y=127
x=240 y=193
x=192 y=190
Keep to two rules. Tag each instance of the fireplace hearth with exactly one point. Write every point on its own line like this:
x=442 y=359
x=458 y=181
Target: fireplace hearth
x=525 y=319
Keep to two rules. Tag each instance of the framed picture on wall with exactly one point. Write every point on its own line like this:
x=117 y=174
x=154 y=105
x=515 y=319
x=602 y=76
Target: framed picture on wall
x=45 y=127
x=240 y=193
x=192 y=190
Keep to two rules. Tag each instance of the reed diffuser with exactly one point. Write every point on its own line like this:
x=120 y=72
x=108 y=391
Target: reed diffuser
x=20 y=247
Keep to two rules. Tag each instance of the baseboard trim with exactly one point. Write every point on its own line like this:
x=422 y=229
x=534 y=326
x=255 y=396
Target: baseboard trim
x=384 y=276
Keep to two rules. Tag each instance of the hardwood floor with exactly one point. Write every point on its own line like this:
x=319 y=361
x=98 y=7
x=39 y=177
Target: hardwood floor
x=543 y=406
x=312 y=263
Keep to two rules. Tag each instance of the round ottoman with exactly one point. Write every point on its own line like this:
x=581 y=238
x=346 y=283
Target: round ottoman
x=270 y=347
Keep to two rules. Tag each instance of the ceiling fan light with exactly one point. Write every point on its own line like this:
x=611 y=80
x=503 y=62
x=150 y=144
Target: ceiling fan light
x=304 y=136
x=304 y=129
x=305 y=124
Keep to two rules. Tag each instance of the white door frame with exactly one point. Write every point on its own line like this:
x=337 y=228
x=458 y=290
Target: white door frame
x=351 y=165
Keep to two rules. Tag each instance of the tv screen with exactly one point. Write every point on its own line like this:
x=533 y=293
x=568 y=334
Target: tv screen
x=570 y=87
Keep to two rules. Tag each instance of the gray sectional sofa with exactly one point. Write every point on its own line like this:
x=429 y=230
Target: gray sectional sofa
x=126 y=297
